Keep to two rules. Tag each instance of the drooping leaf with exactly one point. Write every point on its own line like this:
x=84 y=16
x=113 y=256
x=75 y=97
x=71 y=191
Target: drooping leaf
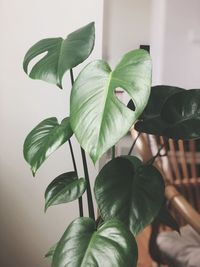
x=150 y=121
x=182 y=114
x=82 y=245
x=164 y=217
x=62 y=54
x=44 y=139
x=129 y=191
x=63 y=189
x=51 y=251
x=98 y=118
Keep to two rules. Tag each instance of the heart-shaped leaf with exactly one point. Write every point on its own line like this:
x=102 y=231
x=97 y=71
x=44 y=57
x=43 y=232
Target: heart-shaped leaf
x=129 y=191
x=150 y=121
x=63 y=189
x=181 y=112
x=61 y=56
x=98 y=118
x=82 y=245
x=51 y=251
x=44 y=139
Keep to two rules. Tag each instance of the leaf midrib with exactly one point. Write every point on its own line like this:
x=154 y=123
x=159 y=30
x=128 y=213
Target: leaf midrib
x=106 y=98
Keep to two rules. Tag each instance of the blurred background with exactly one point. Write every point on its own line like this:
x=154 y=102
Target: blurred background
x=170 y=27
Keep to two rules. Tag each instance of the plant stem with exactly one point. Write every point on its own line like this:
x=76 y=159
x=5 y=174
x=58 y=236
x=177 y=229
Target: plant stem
x=80 y=201
x=134 y=142
x=113 y=152
x=89 y=193
x=151 y=161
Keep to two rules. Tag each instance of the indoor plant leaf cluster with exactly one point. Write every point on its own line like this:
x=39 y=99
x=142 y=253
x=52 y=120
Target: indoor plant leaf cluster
x=129 y=193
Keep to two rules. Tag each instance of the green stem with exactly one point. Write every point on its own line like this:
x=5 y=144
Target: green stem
x=113 y=152
x=151 y=161
x=80 y=201
x=133 y=145
x=89 y=193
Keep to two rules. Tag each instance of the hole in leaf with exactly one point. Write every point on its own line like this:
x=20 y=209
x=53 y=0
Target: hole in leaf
x=35 y=60
x=124 y=98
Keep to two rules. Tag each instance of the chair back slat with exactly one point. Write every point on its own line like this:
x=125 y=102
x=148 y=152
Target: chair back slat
x=173 y=159
x=192 y=149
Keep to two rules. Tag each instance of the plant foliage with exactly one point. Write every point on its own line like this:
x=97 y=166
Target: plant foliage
x=129 y=193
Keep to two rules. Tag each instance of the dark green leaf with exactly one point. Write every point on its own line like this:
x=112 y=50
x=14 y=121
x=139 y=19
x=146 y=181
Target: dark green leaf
x=65 y=188
x=98 y=118
x=129 y=191
x=182 y=114
x=164 y=217
x=44 y=139
x=51 y=251
x=150 y=121
x=112 y=245
x=61 y=56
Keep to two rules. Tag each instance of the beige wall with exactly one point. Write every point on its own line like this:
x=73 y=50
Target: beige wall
x=25 y=231
x=126 y=25
x=181 y=51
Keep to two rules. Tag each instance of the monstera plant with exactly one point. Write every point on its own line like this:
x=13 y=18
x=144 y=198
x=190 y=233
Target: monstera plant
x=129 y=193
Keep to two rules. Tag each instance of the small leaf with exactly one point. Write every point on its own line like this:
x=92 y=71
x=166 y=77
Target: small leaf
x=98 y=118
x=51 y=251
x=129 y=191
x=65 y=188
x=82 y=245
x=44 y=139
x=61 y=56
x=164 y=217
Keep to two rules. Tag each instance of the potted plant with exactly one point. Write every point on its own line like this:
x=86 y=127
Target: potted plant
x=129 y=194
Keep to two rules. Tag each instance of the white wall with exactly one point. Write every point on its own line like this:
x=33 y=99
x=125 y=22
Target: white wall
x=181 y=62
x=25 y=231
x=126 y=26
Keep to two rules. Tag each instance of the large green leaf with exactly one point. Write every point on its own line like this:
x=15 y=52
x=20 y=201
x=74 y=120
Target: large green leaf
x=64 y=188
x=112 y=245
x=61 y=56
x=97 y=116
x=129 y=191
x=150 y=121
x=181 y=113
x=176 y=117
x=44 y=139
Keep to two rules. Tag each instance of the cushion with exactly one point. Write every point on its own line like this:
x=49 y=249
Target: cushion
x=180 y=250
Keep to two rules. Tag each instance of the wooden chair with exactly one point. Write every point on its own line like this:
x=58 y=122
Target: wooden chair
x=179 y=163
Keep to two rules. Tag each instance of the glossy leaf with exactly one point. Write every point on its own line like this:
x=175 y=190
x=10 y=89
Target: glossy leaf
x=44 y=139
x=98 y=118
x=61 y=54
x=51 y=251
x=82 y=245
x=65 y=188
x=181 y=113
x=129 y=191
x=150 y=121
